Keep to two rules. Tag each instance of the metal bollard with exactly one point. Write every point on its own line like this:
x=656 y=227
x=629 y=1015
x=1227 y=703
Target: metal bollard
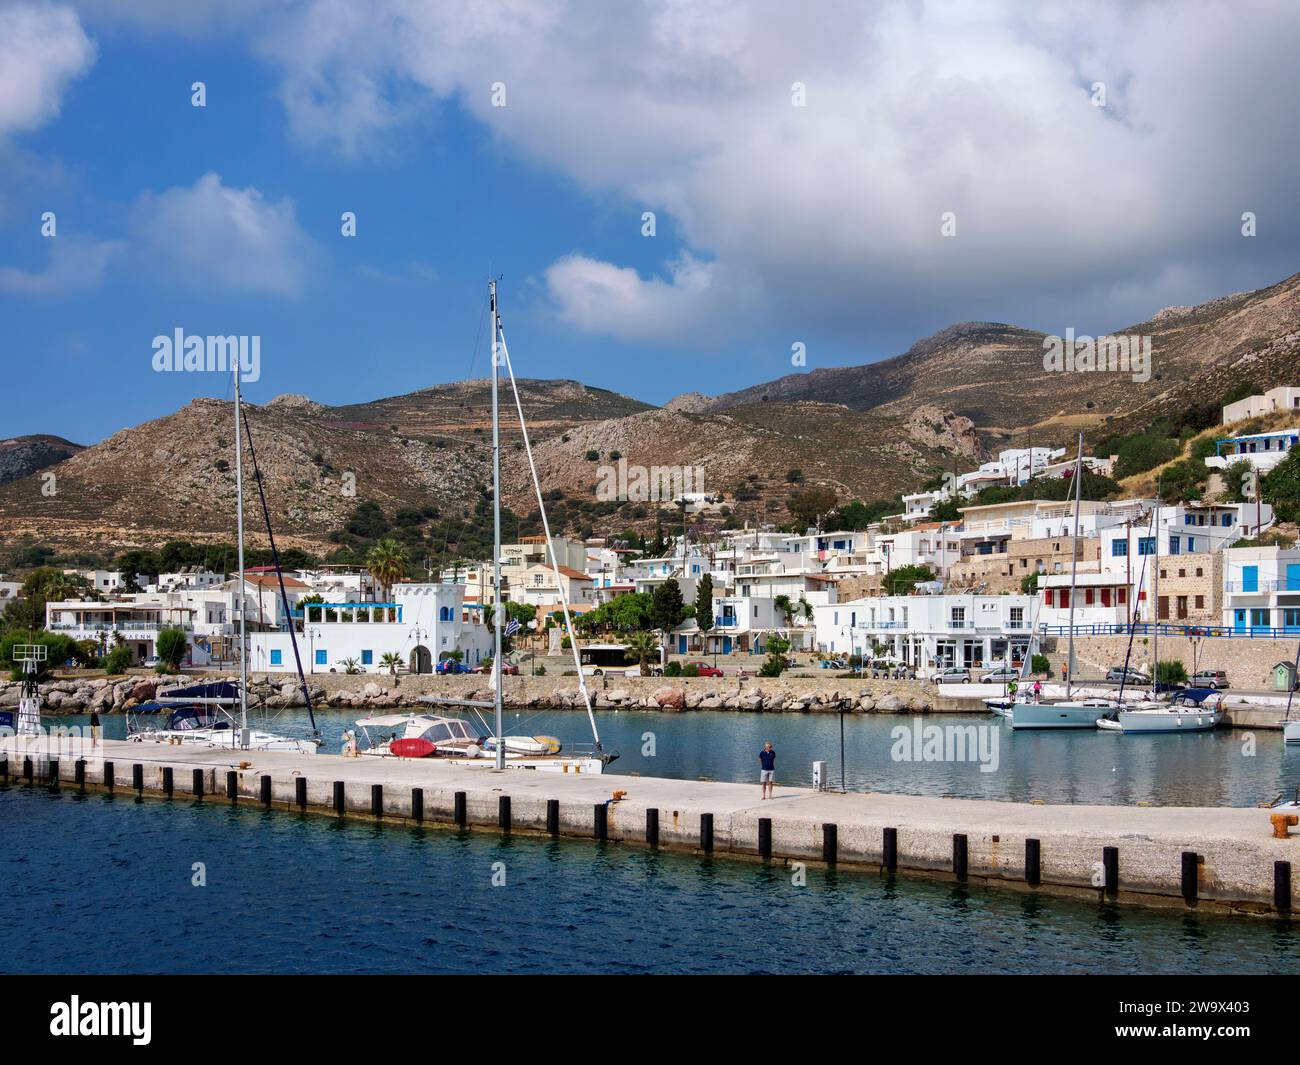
x=890 y=856
x=1033 y=863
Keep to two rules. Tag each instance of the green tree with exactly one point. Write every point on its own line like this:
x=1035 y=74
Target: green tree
x=386 y=563
x=946 y=510
x=1240 y=482
x=1281 y=487
x=59 y=649
x=902 y=580
x=118 y=661
x=666 y=606
x=391 y=661
x=1029 y=584
x=172 y=646
x=809 y=505
x=704 y=603
x=775 y=663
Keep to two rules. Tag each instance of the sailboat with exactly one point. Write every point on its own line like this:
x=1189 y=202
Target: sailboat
x=435 y=735
x=1193 y=710
x=204 y=714
x=1068 y=713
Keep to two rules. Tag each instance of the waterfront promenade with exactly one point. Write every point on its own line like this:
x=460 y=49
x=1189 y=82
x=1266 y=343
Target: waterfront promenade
x=1219 y=857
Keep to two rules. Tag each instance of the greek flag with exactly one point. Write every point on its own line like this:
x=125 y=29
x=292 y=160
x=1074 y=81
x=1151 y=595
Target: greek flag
x=513 y=627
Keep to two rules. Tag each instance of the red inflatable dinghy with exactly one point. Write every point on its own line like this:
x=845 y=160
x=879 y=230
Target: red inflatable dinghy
x=413 y=747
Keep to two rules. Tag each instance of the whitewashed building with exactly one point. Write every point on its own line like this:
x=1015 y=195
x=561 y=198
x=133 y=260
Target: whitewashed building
x=928 y=632
x=422 y=625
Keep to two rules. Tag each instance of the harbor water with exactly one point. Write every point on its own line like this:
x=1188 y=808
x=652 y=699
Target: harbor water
x=1228 y=767
x=115 y=884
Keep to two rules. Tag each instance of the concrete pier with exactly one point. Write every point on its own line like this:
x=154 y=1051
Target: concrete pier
x=1218 y=858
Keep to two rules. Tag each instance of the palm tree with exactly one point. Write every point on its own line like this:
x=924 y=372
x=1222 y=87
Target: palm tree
x=390 y=660
x=350 y=666
x=386 y=562
x=643 y=648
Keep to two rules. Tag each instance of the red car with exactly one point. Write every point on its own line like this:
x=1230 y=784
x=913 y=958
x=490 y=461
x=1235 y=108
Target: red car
x=705 y=669
x=507 y=669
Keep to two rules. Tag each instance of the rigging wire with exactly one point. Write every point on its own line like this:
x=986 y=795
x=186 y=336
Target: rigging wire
x=279 y=575
x=550 y=546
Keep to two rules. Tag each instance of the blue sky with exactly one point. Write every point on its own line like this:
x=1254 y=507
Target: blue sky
x=776 y=223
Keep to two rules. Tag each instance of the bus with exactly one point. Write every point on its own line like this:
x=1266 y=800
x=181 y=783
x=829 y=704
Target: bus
x=599 y=659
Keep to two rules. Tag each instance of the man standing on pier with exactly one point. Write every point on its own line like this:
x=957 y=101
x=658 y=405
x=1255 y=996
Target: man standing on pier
x=767 y=771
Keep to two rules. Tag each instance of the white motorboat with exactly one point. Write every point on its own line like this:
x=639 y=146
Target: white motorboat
x=1291 y=731
x=1197 y=710
x=435 y=736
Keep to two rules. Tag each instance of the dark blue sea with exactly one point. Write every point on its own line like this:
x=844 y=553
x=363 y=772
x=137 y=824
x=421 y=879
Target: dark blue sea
x=111 y=884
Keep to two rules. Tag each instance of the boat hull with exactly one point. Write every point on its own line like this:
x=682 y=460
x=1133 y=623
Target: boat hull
x=1291 y=731
x=1167 y=721
x=228 y=739
x=1057 y=715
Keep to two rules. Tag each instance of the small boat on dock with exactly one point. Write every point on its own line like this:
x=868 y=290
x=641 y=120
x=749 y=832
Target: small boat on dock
x=435 y=736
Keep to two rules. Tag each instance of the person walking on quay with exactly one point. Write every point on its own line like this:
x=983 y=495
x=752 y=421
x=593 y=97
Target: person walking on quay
x=1038 y=691
x=94 y=729
x=767 y=771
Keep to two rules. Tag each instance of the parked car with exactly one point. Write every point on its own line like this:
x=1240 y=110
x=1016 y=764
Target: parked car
x=1210 y=678
x=1001 y=675
x=506 y=669
x=952 y=675
x=1117 y=675
x=448 y=666
x=153 y=660
x=705 y=669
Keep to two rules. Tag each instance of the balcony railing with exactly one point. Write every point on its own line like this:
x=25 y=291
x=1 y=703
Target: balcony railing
x=121 y=626
x=1280 y=584
x=1248 y=632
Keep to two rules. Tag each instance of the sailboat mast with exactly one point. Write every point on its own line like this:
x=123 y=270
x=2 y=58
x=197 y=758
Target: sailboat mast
x=1155 y=596
x=1074 y=562
x=239 y=587
x=498 y=608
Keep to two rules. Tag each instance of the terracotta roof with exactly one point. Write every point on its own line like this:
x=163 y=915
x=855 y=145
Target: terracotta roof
x=569 y=572
x=269 y=581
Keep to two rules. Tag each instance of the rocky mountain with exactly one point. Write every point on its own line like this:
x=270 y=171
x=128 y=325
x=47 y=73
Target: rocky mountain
x=994 y=374
x=867 y=432
x=22 y=456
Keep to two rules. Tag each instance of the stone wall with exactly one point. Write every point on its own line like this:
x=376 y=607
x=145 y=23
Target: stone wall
x=1248 y=662
x=366 y=693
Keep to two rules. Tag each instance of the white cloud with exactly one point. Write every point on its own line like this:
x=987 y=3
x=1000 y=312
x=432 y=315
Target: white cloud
x=42 y=49
x=209 y=234
x=74 y=263
x=828 y=216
